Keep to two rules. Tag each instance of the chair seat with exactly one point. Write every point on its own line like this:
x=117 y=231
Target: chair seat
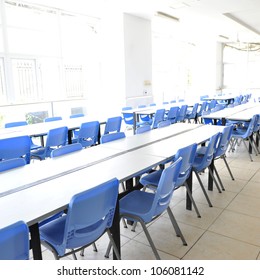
x=54 y=231
x=151 y=179
x=40 y=153
x=137 y=203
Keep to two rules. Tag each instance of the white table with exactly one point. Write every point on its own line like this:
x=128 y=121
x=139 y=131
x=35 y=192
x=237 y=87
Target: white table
x=41 y=129
x=36 y=191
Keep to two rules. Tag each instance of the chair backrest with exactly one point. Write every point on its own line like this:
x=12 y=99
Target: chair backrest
x=111 y=137
x=188 y=155
x=164 y=123
x=209 y=153
x=66 y=150
x=164 y=190
x=142 y=129
x=16 y=147
x=144 y=117
x=55 y=138
x=194 y=111
x=250 y=129
x=89 y=214
x=52 y=119
x=202 y=108
x=88 y=133
x=14 y=124
x=158 y=117
x=212 y=104
x=11 y=163
x=128 y=117
x=14 y=242
x=182 y=113
x=113 y=125
x=77 y=116
x=256 y=123
x=223 y=141
x=172 y=114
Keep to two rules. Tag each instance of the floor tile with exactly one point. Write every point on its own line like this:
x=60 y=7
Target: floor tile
x=238 y=226
x=212 y=246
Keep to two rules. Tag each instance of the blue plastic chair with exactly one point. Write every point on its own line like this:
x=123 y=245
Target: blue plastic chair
x=187 y=154
x=66 y=150
x=87 y=134
x=203 y=161
x=113 y=125
x=90 y=214
x=172 y=114
x=202 y=108
x=144 y=207
x=212 y=104
x=111 y=137
x=16 y=147
x=244 y=134
x=182 y=113
x=144 y=117
x=55 y=138
x=128 y=117
x=158 y=117
x=11 y=163
x=52 y=119
x=142 y=129
x=22 y=123
x=80 y=115
x=220 y=152
x=192 y=115
x=14 y=242
x=164 y=123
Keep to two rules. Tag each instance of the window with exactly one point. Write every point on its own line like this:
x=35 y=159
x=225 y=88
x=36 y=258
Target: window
x=49 y=50
x=241 y=66
x=2 y=82
x=74 y=80
x=24 y=76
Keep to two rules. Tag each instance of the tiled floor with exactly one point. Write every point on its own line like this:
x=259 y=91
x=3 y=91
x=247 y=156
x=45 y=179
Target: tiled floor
x=230 y=230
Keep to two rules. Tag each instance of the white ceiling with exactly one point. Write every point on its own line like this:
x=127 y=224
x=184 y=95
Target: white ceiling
x=202 y=18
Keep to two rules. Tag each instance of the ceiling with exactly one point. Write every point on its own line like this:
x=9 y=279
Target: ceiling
x=225 y=20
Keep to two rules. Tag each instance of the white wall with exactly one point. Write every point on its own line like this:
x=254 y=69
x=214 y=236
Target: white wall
x=138 y=60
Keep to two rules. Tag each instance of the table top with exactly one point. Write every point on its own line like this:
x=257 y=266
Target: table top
x=229 y=112
x=37 y=203
x=40 y=129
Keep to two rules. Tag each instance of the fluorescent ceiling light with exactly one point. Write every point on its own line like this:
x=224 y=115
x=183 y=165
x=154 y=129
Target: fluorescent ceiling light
x=239 y=21
x=162 y=14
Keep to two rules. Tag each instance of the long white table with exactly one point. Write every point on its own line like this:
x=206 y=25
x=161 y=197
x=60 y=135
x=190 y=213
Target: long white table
x=36 y=191
x=41 y=129
x=234 y=113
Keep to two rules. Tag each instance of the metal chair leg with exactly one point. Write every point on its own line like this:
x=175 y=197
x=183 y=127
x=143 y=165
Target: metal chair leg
x=176 y=226
x=228 y=168
x=214 y=179
x=203 y=189
x=220 y=181
x=192 y=200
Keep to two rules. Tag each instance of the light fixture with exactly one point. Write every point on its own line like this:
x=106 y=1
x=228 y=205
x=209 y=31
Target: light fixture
x=162 y=14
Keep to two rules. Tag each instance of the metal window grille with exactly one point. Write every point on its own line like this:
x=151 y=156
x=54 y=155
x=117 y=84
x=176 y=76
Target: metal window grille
x=74 y=85
x=2 y=79
x=25 y=81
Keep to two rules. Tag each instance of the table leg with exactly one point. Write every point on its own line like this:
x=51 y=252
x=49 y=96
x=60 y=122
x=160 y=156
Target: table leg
x=115 y=230
x=188 y=201
x=135 y=122
x=210 y=180
x=35 y=242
